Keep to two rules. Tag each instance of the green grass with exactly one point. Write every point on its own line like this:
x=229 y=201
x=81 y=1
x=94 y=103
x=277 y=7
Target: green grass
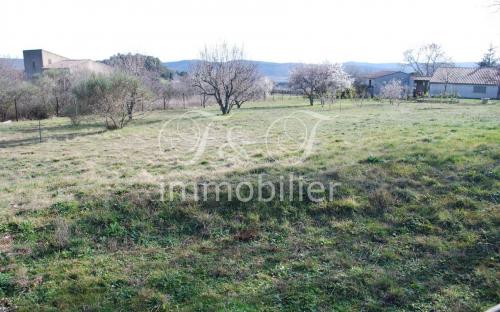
x=413 y=225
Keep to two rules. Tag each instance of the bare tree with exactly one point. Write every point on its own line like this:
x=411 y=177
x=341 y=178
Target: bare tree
x=59 y=84
x=446 y=75
x=12 y=89
x=182 y=89
x=392 y=91
x=425 y=60
x=166 y=91
x=114 y=97
x=308 y=79
x=224 y=75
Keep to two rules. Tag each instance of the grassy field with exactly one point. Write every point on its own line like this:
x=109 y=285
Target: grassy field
x=412 y=225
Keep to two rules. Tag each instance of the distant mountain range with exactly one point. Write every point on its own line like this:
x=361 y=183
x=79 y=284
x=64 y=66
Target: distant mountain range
x=279 y=71
x=15 y=63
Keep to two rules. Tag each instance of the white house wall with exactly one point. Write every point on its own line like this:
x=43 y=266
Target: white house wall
x=462 y=90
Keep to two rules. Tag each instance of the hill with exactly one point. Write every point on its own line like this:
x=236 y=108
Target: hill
x=16 y=63
x=279 y=71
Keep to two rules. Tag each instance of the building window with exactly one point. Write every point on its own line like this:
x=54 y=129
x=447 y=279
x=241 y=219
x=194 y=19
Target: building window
x=479 y=89
x=34 y=66
x=50 y=61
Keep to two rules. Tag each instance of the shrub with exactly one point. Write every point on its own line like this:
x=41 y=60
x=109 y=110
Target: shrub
x=380 y=200
x=112 y=97
x=61 y=233
x=37 y=109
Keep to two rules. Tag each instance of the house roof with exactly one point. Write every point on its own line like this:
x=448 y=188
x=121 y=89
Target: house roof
x=382 y=73
x=466 y=75
x=421 y=78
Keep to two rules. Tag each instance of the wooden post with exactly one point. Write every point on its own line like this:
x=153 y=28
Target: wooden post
x=15 y=107
x=40 y=130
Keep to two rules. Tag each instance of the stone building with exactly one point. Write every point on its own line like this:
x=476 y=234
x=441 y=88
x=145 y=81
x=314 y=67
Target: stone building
x=37 y=61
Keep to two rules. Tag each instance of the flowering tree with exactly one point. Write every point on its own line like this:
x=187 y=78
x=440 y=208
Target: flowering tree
x=319 y=80
x=393 y=91
x=338 y=81
x=265 y=85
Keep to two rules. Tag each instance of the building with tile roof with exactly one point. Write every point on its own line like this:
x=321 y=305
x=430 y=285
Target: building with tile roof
x=466 y=82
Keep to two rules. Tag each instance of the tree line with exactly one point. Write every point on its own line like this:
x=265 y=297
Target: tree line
x=222 y=76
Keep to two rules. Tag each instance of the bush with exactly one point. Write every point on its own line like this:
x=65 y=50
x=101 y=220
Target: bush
x=380 y=200
x=37 y=111
x=61 y=233
x=76 y=112
x=112 y=97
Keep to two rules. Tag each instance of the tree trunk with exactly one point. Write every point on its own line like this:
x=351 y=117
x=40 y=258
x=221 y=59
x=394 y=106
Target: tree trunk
x=15 y=108
x=226 y=107
x=57 y=106
x=311 y=100
x=164 y=104
x=130 y=109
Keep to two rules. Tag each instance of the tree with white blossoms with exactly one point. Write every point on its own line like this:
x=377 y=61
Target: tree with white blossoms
x=265 y=85
x=319 y=80
x=339 y=81
x=392 y=91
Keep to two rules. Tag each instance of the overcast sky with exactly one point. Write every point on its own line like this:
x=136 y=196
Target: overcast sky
x=271 y=30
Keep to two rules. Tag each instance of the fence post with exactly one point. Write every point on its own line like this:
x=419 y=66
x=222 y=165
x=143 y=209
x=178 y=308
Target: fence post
x=40 y=130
